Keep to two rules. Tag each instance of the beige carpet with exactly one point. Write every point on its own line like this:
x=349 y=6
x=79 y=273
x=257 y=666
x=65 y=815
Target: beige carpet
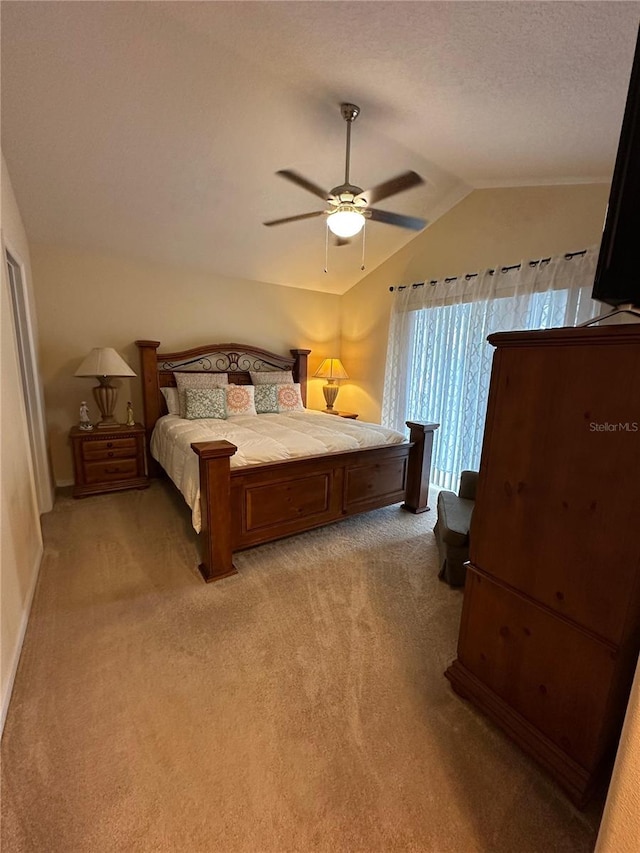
x=298 y=706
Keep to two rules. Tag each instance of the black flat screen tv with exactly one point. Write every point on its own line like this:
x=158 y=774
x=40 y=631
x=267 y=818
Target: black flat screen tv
x=617 y=280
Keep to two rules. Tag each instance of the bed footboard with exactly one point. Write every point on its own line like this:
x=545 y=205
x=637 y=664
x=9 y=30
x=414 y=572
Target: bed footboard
x=215 y=506
x=249 y=506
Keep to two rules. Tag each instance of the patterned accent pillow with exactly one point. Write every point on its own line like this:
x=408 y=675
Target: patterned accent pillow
x=240 y=400
x=205 y=403
x=289 y=398
x=172 y=400
x=197 y=380
x=271 y=377
x=266 y=398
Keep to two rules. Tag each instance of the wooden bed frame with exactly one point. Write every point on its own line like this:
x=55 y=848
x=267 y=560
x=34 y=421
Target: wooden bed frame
x=247 y=506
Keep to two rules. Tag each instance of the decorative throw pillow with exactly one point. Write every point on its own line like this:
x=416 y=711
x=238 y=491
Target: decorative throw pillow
x=266 y=399
x=197 y=380
x=172 y=400
x=240 y=400
x=271 y=377
x=289 y=399
x=205 y=403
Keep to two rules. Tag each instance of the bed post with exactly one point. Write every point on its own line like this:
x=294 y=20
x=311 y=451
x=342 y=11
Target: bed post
x=300 y=371
x=150 y=395
x=215 y=508
x=421 y=437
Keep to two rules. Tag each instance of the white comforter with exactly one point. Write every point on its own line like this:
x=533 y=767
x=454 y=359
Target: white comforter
x=261 y=438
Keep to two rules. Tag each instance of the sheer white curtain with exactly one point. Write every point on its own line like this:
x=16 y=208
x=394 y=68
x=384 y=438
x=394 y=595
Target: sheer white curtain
x=438 y=359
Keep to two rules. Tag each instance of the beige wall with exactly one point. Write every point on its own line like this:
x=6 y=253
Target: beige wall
x=620 y=829
x=87 y=300
x=488 y=227
x=21 y=535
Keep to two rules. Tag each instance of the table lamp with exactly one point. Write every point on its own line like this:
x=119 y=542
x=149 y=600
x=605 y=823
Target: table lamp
x=104 y=363
x=331 y=369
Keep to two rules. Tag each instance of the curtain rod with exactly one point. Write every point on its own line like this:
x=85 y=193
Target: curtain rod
x=568 y=256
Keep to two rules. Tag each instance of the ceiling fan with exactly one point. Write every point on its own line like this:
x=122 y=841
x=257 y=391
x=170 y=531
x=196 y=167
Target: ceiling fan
x=348 y=204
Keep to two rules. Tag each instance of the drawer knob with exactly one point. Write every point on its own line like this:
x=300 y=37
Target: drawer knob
x=110 y=453
x=109 y=444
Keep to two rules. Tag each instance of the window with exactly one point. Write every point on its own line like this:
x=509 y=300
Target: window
x=439 y=360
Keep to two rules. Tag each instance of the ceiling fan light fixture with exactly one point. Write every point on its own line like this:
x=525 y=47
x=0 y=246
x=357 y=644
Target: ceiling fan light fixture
x=345 y=221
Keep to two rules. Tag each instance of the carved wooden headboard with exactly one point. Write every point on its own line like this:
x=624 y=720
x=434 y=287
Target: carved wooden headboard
x=236 y=360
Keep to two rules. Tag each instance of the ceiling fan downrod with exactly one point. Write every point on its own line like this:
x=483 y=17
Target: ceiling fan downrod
x=350 y=113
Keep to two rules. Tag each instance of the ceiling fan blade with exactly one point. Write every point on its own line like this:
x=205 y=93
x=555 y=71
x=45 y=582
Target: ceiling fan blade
x=295 y=218
x=399 y=219
x=394 y=185
x=295 y=178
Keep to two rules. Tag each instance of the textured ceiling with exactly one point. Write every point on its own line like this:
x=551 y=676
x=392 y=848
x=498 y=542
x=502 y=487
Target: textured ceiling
x=154 y=130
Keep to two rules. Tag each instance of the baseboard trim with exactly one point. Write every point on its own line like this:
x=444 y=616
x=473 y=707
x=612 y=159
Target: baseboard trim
x=6 y=699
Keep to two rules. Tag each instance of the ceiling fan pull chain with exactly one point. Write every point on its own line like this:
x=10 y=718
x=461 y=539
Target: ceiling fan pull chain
x=364 y=228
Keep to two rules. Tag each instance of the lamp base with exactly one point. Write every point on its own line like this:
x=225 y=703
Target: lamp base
x=110 y=424
x=330 y=392
x=105 y=396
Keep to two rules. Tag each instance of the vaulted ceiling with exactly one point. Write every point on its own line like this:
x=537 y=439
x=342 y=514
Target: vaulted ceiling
x=154 y=129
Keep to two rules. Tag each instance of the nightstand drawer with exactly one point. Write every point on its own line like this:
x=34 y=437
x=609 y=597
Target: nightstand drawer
x=112 y=448
x=108 y=463
x=105 y=472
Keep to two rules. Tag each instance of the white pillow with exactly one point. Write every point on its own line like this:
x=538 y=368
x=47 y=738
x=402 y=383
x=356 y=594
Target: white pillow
x=197 y=380
x=271 y=377
x=172 y=400
x=289 y=398
x=240 y=400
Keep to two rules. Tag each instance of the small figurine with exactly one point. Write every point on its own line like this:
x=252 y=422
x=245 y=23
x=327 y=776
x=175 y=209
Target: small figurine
x=130 y=420
x=85 y=420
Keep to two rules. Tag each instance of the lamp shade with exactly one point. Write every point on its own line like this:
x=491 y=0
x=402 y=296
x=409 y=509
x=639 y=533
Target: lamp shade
x=331 y=368
x=104 y=361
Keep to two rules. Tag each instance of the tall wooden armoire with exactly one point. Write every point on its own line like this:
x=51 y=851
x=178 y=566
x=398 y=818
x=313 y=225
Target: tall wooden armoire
x=550 y=627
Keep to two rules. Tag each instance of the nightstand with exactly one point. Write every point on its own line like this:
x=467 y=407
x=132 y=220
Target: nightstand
x=108 y=460
x=351 y=415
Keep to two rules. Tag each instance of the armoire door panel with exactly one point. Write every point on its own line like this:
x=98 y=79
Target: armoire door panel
x=545 y=519
x=553 y=674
